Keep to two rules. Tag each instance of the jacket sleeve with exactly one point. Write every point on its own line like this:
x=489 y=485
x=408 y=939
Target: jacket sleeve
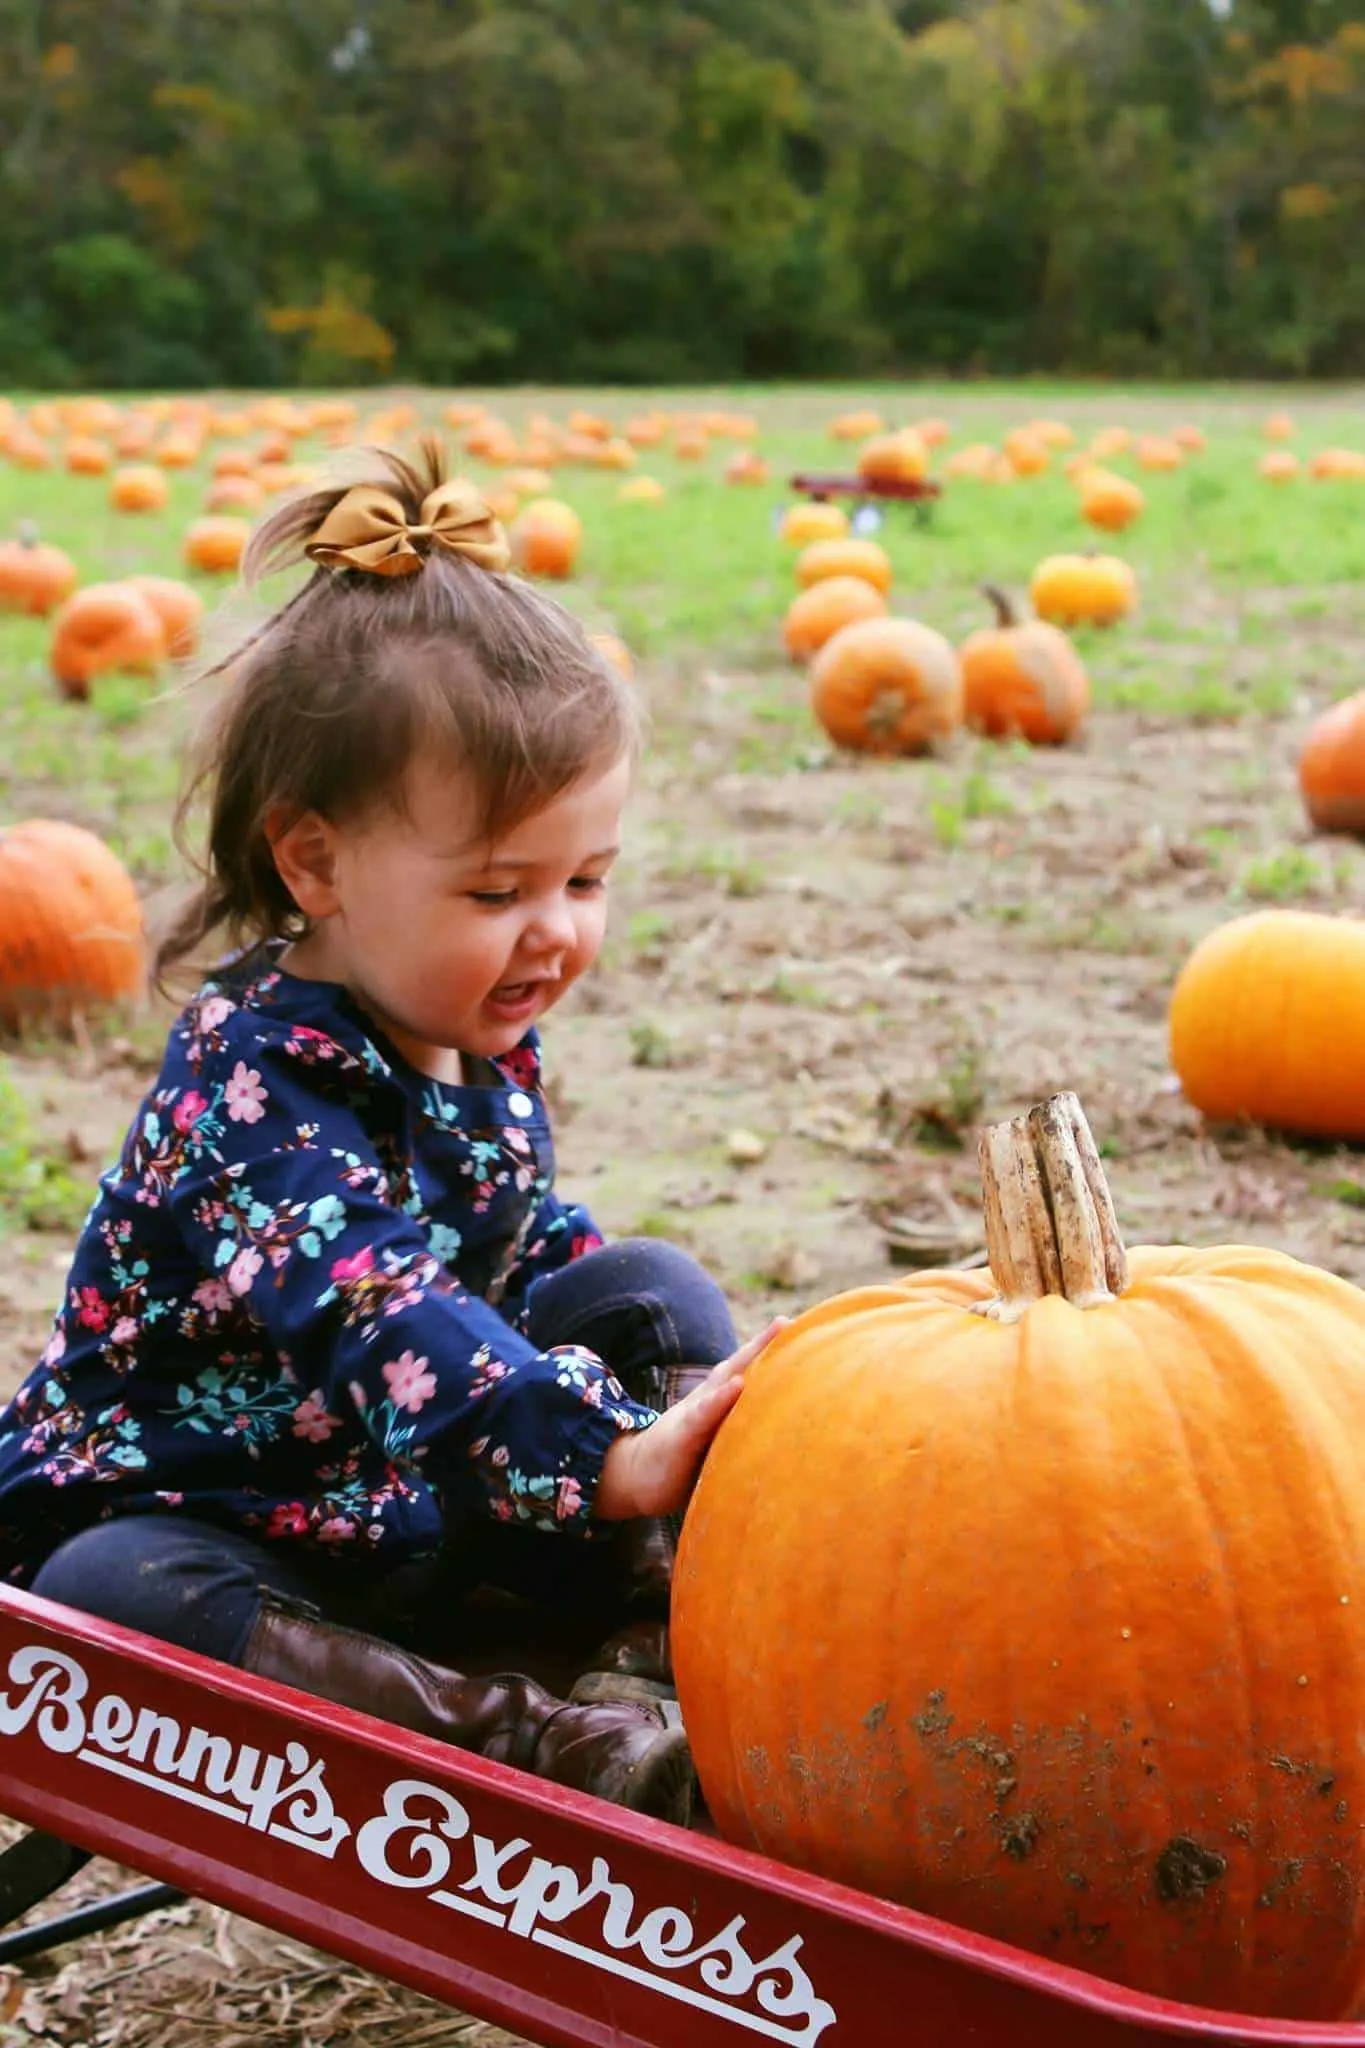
x=559 y=1233
x=282 y=1194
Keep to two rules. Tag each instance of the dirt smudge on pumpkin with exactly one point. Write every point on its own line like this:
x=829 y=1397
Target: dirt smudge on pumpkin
x=1285 y=1877
x=933 y=1721
x=1185 y=1869
x=1019 y=1835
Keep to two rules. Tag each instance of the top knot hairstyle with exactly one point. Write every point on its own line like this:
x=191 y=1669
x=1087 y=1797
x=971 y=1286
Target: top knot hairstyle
x=407 y=636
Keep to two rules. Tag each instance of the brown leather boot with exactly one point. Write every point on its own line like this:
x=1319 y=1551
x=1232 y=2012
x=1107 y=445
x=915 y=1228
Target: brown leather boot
x=618 y=1751
x=635 y=1664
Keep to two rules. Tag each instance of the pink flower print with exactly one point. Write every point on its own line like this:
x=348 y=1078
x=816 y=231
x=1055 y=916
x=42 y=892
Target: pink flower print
x=94 y=1310
x=244 y=1269
x=359 y=1396
x=214 y=1297
x=409 y=1383
x=356 y=1267
x=306 y=1034
x=56 y=1347
x=188 y=1110
x=312 y=1422
x=336 y=1529
x=170 y=1500
x=214 y=1012
x=290 y=1518
x=124 y=1330
x=568 y=1499
x=244 y=1096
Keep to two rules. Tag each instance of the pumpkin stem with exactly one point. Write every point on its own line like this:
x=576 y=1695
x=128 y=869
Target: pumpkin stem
x=26 y=533
x=1050 y=1222
x=1004 y=610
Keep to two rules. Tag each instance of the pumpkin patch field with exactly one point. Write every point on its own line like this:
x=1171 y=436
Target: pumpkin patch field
x=945 y=808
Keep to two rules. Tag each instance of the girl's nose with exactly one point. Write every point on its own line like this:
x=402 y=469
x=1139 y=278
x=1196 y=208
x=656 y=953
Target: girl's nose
x=553 y=929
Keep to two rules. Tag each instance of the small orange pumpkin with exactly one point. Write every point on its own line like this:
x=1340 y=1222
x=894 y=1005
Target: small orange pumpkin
x=887 y=686
x=822 y=610
x=849 y=557
x=216 y=544
x=178 y=450
x=71 y=935
x=234 y=494
x=814 y=521
x=894 y=458
x=138 y=488
x=1267 y=1020
x=641 y=490
x=1155 y=451
x=1332 y=768
x=86 y=456
x=1027 y=453
x=180 y=610
x=746 y=466
x=855 y=426
x=1279 y=466
x=1109 y=501
x=34 y=577
x=1083 y=590
x=1025 y=680
x=545 y=538
x=106 y=627
x=1279 y=426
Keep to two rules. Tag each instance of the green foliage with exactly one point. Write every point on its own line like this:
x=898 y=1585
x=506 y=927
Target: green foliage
x=638 y=190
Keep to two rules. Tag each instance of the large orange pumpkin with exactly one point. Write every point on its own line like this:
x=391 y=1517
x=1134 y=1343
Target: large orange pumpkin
x=1025 y=680
x=34 y=577
x=106 y=627
x=70 y=925
x=1035 y=1599
x=887 y=686
x=1332 y=767
x=824 y=609
x=1268 y=1020
x=1083 y=590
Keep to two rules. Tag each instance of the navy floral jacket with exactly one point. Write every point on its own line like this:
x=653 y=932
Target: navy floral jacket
x=294 y=1305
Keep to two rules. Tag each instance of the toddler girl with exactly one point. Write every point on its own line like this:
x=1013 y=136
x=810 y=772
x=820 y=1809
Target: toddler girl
x=332 y=1350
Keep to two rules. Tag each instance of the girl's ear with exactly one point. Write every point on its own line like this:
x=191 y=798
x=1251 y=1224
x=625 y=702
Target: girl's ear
x=305 y=853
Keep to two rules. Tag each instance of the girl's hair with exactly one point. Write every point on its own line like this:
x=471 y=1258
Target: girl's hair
x=326 y=705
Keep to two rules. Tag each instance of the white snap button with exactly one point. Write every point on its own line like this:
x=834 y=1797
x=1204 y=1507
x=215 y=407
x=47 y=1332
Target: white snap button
x=519 y=1104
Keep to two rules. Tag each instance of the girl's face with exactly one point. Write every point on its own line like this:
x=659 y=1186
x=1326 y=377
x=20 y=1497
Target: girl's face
x=451 y=943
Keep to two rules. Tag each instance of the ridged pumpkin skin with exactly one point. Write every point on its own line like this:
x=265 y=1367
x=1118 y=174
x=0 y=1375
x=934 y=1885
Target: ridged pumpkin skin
x=815 y=521
x=1055 y=1631
x=71 y=936
x=1332 y=768
x=545 y=538
x=138 y=488
x=1023 y=680
x=894 y=458
x=105 y=628
x=1267 y=1022
x=825 y=609
x=847 y=557
x=887 y=686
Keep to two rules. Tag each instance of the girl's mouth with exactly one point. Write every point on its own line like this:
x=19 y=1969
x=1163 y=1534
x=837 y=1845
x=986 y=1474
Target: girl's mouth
x=513 y=999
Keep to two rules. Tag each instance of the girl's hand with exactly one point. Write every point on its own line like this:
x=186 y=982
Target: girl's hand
x=652 y=1472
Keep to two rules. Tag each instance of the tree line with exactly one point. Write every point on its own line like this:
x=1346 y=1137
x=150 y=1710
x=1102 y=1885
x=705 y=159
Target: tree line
x=198 y=192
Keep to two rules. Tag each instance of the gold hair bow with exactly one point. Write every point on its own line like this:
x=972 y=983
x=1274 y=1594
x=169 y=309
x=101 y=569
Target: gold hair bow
x=368 y=529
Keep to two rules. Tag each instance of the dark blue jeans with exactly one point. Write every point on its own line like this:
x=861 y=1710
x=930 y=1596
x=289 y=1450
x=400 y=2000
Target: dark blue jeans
x=639 y=1305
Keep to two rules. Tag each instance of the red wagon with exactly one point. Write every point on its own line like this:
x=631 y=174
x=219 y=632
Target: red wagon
x=920 y=493
x=509 y=1898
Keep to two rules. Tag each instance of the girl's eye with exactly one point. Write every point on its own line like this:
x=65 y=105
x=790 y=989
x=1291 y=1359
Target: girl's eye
x=588 y=885
x=495 y=899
